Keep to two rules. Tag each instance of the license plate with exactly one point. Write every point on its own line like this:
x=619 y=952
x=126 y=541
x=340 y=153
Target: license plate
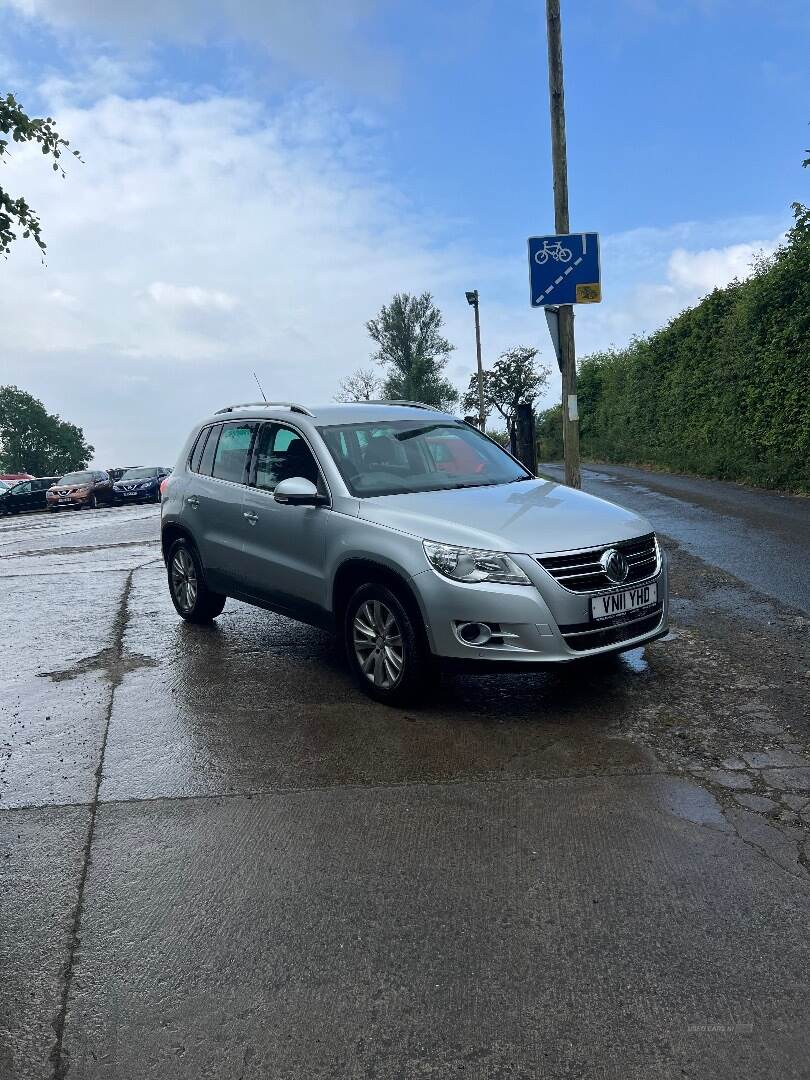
x=603 y=607
x=64 y=500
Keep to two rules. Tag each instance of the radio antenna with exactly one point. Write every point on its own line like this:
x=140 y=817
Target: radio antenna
x=256 y=377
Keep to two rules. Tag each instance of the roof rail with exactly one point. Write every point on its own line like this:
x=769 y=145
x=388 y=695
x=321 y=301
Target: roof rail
x=399 y=401
x=291 y=405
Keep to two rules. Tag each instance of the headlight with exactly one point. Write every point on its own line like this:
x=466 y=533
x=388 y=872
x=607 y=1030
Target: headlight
x=466 y=564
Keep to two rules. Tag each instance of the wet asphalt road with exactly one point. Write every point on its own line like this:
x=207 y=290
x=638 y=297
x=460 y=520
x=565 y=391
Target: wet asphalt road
x=761 y=537
x=218 y=860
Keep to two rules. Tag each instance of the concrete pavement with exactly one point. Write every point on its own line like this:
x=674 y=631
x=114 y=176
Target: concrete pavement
x=218 y=860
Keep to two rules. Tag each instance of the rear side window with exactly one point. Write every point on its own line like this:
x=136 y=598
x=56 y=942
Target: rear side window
x=207 y=459
x=197 y=452
x=233 y=452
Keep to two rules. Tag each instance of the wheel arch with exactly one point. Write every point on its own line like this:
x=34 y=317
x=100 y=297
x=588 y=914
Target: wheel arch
x=169 y=534
x=354 y=572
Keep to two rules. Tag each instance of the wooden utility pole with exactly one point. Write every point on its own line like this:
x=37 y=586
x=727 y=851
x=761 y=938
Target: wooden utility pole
x=482 y=416
x=473 y=301
x=559 y=160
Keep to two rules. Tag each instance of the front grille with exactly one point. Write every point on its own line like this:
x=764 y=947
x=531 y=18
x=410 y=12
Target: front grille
x=580 y=572
x=613 y=630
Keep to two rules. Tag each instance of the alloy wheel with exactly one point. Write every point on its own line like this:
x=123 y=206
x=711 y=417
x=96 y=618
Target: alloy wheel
x=378 y=644
x=184 y=579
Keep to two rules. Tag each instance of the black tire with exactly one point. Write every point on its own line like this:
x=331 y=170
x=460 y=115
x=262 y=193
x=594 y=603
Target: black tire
x=192 y=599
x=379 y=675
x=92 y=503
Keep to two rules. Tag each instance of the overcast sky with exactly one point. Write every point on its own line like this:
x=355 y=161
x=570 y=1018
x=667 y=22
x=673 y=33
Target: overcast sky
x=259 y=177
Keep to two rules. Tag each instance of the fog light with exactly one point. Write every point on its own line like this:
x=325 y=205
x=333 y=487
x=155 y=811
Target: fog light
x=474 y=633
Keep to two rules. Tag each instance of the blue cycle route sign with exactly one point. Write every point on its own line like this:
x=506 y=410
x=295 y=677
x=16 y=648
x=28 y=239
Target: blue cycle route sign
x=564 y=269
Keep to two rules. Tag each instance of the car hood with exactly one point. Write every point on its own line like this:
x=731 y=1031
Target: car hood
x=528 y=517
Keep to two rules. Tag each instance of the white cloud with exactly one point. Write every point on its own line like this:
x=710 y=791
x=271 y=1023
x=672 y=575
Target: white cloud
x=200 y=242
x=705 y=270
x=318 y=37
x=191 y=296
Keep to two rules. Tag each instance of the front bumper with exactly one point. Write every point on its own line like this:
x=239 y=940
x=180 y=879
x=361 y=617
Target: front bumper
x=138 y=495
x=541 y=623
x=68 y=501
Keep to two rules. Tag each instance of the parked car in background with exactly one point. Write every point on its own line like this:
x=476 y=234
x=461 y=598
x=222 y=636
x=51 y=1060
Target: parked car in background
x=15 y=477
x=75 y=490
x=26 y=495
x=117 y=473
x=141 y=484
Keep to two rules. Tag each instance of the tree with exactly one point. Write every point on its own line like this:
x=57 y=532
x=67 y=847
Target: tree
x=34 y=440
x=549 y=434
x=362 y=385
x=723 y=390
x=16 y=213
x=412 y=349
x=515 y=378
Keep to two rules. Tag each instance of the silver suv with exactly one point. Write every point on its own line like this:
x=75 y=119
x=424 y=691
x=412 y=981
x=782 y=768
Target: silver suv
x=412 y=535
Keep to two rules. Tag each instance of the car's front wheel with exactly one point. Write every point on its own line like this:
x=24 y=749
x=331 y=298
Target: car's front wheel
x=192 y=598
x=385 y=646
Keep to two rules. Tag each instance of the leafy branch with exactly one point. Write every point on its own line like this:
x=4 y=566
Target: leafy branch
x=21 y=128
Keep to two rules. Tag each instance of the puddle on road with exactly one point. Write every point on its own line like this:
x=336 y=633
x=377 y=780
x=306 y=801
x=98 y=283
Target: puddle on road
x=691 y=802
x=106 y=660
x=635 y=660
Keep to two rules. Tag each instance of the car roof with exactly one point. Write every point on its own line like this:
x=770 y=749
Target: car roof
x=359 y=412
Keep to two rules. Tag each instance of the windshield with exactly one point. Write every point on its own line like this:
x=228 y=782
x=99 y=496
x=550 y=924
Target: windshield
x=77 y=478
x=139 y=474
x=400 y=456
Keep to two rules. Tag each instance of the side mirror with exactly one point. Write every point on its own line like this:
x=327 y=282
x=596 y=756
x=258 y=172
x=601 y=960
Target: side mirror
x=296 y=491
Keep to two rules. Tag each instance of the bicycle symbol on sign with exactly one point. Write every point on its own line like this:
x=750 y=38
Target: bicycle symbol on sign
x=553 y=251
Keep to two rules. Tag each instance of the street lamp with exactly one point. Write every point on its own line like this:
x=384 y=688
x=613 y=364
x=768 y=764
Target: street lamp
x=472 y=300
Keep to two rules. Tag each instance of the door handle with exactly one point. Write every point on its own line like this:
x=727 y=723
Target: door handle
x=251 y=517
x=193 y=501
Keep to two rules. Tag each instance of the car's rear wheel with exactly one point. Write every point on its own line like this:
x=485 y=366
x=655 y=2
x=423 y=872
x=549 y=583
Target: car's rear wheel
x=192 y=598
x=385 y=646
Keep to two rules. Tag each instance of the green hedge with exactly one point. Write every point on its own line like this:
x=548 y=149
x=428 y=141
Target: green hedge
x=722 y=391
